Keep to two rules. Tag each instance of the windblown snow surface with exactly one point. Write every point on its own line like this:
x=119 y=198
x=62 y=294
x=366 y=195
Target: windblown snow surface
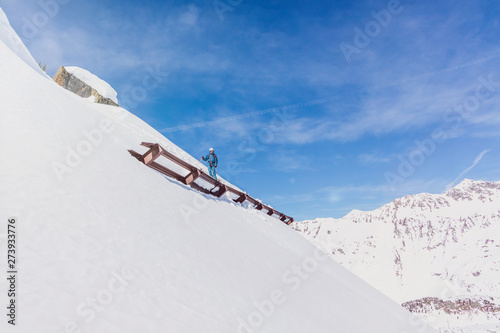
x=105 y=244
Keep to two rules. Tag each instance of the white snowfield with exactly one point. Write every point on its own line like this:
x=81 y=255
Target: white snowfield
x=107 y=245
x=445 y=246
x=95 y=82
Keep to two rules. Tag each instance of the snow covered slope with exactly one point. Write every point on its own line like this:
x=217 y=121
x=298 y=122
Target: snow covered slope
x=12 y=41
x=95 y=82
x=438 y=254
x=107 y=245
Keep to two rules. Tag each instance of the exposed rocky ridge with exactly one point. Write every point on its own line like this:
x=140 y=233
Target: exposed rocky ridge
x=460 y=306
x=428 y=247
x=477 y=314
x=80 y=88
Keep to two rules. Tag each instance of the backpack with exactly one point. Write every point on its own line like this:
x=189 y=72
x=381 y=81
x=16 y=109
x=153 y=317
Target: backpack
x=213 y=159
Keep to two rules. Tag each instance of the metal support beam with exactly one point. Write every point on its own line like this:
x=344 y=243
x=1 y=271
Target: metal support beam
x=167 y=172
x=152 y=154
x=135 y=154
x=221 y=191
x=195 y=173
x=199 y=188
x=241 y=198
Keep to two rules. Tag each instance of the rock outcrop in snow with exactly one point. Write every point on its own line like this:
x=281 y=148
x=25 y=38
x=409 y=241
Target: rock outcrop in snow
x=469 y=307
x=444 y=248
x=85 y=85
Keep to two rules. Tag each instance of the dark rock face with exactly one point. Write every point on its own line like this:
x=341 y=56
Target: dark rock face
x=72 y=83
x=460 y=306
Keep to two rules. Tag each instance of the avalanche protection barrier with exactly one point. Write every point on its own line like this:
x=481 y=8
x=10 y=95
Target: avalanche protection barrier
x=176 y=168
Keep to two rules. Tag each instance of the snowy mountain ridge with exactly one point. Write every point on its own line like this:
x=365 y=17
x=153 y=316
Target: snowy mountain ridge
x=445 y=246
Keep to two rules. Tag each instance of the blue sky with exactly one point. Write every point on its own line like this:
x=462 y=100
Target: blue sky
x=317 y=108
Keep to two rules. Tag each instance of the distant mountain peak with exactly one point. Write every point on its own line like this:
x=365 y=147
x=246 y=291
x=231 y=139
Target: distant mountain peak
x=443 y=247
x=467 y=189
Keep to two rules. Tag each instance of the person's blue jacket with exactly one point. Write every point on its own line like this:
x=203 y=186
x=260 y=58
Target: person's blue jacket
x=212 y=159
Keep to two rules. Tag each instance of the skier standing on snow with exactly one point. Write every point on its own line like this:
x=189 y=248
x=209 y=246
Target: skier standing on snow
x=212 y=163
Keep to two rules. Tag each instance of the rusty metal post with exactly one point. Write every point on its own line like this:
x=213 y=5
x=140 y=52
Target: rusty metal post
x=152 y=154
x=221 y=191
x=241 y=198
x=195 y=173
x=135 y=154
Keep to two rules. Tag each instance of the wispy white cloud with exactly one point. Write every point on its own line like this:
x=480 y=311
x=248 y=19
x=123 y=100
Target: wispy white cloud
x=391 y=94
x=294 y=198
x=291 y=160
x=190 y=16
x=373 y=158
x=334 y=194
x=465 y=171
